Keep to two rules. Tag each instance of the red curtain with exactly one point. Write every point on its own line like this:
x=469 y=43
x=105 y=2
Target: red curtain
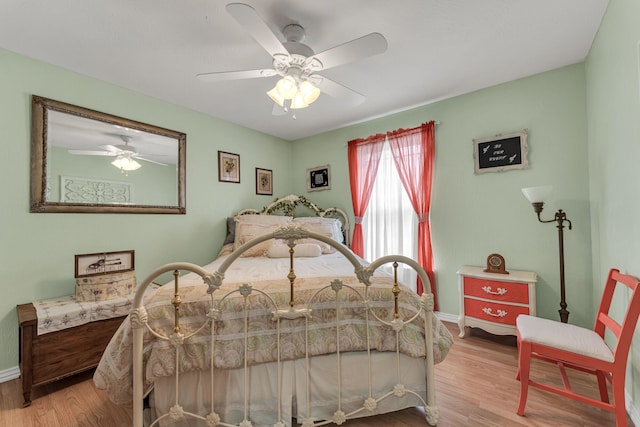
x=413 y=154
x=364 y=158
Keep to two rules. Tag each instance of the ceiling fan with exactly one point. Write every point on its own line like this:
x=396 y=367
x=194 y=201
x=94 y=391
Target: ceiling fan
x=125 y=154
x=296 y=63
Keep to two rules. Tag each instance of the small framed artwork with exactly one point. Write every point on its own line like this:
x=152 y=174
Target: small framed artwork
x=264 y=181
x=318 y=178
x=502 y=152
x=103 y=263
x=228 y=167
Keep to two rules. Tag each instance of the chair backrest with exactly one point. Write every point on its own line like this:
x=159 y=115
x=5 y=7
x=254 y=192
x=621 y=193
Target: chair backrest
x=624 y=331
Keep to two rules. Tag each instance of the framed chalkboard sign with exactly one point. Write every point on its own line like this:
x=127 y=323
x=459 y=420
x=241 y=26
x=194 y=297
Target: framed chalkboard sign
x=501 y=152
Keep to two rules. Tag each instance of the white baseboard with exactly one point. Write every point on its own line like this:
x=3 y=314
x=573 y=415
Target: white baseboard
x=9 y=374
x=446 y=317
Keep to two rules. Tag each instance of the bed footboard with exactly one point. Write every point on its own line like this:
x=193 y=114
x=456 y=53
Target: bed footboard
x=355 y=307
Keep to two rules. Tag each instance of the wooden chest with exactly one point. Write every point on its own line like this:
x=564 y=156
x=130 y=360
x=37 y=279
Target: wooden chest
x=492 y=301
x=55 y=355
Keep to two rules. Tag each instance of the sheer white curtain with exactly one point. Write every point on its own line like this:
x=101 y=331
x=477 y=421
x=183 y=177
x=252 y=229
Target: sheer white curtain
x=390 y=224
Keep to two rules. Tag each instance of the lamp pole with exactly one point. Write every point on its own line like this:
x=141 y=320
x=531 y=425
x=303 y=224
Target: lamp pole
x=560 y=217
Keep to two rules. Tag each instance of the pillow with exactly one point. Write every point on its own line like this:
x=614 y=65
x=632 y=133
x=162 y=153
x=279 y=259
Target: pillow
x=246 y=231
x=263 y=219
x=302 y=250
x=314 y=220
x=231 y=231
x=225 y=250
x=329 y=227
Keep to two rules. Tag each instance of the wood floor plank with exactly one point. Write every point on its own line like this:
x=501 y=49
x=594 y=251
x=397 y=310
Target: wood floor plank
x=475 y=386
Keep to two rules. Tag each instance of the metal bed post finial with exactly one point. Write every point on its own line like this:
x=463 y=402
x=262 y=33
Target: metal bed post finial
x=395 y=290
x=291 y=276
x=176 y=301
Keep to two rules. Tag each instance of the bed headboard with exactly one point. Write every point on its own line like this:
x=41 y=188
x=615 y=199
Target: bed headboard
x=287 y=206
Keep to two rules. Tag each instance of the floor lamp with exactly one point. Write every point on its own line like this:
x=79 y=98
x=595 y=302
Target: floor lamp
x=537 y=196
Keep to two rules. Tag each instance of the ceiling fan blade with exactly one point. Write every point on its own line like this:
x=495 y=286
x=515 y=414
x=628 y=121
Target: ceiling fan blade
x=235 y=75
x=126 y=148
x=278 y=110
x=111 y=148
x=343 y=93
x=91 y=153
x=149 y=160
x=259 y=30
x=369 y=45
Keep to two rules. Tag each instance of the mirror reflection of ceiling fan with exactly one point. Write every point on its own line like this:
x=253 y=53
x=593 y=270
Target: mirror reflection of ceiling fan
x=296 y=63
x=125 y=154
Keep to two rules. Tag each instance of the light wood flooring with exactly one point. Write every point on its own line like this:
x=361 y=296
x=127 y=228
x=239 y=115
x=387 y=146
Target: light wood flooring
x=475 y=386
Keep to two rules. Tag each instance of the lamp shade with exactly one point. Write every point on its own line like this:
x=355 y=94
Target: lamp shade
x=298 y=102
x=275 y=95
x=537 y=194
x=287 y=87
x=309 y=92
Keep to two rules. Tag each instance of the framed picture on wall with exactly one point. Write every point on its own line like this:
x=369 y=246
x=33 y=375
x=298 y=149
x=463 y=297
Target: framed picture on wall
x=228 y=167
x=264 y=181
x=318 y=178
x=103 y=263
x=502 y=152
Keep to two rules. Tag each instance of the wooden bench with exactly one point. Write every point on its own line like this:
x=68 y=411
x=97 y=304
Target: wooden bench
x=55 y=355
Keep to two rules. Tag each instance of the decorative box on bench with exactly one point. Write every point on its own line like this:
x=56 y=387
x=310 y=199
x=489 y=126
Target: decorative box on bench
x=106 y=286
x=104 y=276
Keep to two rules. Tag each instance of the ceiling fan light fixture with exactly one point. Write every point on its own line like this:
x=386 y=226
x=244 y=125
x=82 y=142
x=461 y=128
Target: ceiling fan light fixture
x=298 y=101
x=287 y=87
x=276 y=97
x=309 y=92
x=301 y=96
x=126 y=163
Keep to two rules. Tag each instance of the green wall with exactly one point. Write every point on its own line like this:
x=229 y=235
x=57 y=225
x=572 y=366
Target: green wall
x=37 y=251
x=473 y=215
x=613 y=111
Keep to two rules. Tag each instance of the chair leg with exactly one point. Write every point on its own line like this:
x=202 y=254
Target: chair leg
x=602 y=386
x=524 y=365
x=617 y=386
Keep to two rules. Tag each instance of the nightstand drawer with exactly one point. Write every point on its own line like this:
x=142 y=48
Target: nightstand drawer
x=496 y=290
x=493 y=312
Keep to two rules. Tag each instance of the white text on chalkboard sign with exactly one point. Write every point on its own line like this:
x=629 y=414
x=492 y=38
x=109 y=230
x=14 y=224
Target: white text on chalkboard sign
x=501 y=152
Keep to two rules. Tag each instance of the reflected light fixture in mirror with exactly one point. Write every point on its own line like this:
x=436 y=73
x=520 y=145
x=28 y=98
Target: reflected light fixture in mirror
x=126 y=164
x=537 y=196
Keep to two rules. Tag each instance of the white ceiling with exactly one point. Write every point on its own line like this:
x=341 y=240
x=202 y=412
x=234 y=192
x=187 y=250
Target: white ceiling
x=436 y=49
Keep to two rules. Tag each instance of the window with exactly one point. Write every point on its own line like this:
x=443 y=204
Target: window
x=390 y=224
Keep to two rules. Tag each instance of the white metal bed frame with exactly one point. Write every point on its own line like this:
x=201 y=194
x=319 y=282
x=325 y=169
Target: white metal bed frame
x=290 y=233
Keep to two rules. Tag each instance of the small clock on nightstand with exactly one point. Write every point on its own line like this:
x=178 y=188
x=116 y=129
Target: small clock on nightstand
x=495 y=264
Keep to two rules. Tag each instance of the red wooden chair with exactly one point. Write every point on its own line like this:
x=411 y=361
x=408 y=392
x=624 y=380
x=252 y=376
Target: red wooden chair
x=570 y=346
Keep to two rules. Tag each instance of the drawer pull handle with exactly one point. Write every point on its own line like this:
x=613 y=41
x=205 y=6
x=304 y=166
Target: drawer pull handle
x=500 y=291
x=501 y=313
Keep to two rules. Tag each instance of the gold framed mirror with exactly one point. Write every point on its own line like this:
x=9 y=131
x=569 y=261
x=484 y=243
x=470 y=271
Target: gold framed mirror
x=85 y=161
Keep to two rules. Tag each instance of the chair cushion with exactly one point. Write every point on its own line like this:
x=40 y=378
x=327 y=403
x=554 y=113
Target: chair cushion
x=563 y=336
